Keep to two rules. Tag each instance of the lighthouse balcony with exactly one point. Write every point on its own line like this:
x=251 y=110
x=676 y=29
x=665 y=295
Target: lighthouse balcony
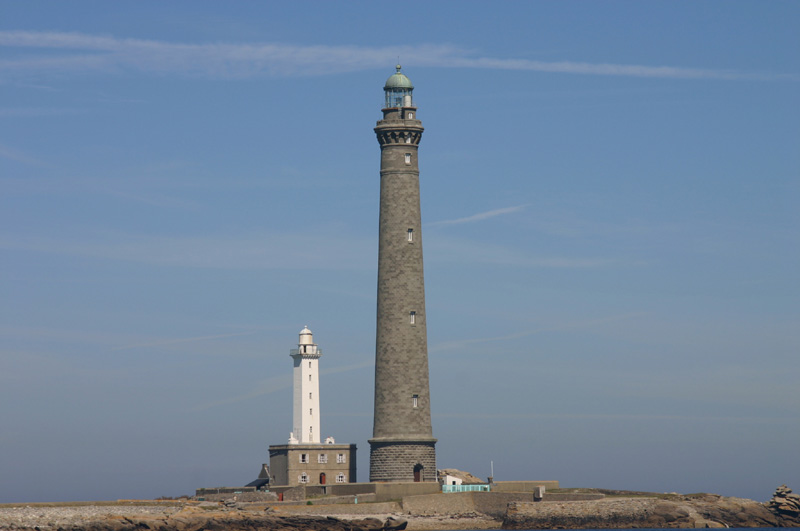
x=315 y=353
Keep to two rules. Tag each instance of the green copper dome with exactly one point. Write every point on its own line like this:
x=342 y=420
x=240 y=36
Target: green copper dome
x=398 y=80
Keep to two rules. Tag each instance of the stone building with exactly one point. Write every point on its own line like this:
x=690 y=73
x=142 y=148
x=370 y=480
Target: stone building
x=402 y=443
x=306 y=460
x=312 y=464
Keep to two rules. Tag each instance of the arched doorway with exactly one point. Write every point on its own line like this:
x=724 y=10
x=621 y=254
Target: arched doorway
x=322 y=478
x=418 y=472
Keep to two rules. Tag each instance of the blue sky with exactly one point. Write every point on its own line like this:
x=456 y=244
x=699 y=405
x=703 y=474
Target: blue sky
x=610 y=218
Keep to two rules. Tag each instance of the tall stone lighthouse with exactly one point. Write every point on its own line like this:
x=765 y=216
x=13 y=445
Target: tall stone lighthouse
x=402 y=444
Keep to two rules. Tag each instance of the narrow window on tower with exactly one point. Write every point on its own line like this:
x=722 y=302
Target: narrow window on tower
x=411 y=116
x=408 y=139
x=309 y=377
x=414 y=400
x=309 y=364
x=310 y=411
x=412 y=318
x=408 y=158
x=309 y=395
x=410 y=235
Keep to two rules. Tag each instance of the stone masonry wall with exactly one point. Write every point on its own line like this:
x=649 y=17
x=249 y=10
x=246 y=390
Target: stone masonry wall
x=396 y=461
x=459 y=503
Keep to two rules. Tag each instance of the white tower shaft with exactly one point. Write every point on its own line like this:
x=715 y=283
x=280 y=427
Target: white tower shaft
x=306 y=390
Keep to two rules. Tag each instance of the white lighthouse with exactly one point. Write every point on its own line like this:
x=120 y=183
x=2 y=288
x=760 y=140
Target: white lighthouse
x=306 y=390
x=306 y=459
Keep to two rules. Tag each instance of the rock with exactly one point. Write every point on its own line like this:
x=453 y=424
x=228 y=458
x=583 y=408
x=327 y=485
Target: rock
x=395 y=524
x=785 y=505
x=192 y=519
x=704 y=511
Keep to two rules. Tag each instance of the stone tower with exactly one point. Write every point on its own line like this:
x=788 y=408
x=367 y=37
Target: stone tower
x=306 y=390
x=402 y=444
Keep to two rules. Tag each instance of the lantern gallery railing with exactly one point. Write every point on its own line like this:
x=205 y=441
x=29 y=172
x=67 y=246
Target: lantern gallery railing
x=297 y=351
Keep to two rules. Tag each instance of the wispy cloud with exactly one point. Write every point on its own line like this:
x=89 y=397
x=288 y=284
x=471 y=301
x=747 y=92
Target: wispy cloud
x=462 y=251
x=16 y=155
x=458 y=344
x=175 y=341
x=36 y=111
x=263 y=250
x=240 y=60
x=277 y=383
x=777 y=419
x=480 y=217
x=602 y=69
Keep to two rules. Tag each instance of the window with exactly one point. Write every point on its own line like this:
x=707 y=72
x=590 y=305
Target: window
x=408 y=158
x=340 y=478
x=411 y=116
x=310 y=411
x=415 y=400
x=309 y=377
x=303 y=478
x=410 y=235
x=304 y=458
x=408 y=139
x=309 y=395
x=322 y=458
x=309 y=364
x=412 y=317
x=341 y=458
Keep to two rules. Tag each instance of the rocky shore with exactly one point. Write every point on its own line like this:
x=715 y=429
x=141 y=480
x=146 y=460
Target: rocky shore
x=641 y=510
x=615 y=509
x=186 y=518
x=219 y=517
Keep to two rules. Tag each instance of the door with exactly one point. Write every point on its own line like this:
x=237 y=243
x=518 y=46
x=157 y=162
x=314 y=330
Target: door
x=417 y=473
x=322 y=478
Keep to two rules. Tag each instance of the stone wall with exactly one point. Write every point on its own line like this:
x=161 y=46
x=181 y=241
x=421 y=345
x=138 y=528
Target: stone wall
x=523 y=486
x=349 y=489
x=379 y=491
x=397 y=491
x=459 y=503
x=395 y=461
x=343 y=500
x=567 y=496
x=360 y=508
x=246 y=496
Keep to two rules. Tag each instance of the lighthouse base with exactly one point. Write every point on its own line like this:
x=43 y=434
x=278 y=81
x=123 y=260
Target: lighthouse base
x=402 y=460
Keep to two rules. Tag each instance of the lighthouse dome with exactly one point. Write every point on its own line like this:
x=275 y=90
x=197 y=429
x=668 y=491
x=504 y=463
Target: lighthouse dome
x=398 y=80
x=305 y=336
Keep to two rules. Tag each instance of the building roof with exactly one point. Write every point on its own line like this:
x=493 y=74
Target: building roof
x=258 y=483
x=398 y=80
